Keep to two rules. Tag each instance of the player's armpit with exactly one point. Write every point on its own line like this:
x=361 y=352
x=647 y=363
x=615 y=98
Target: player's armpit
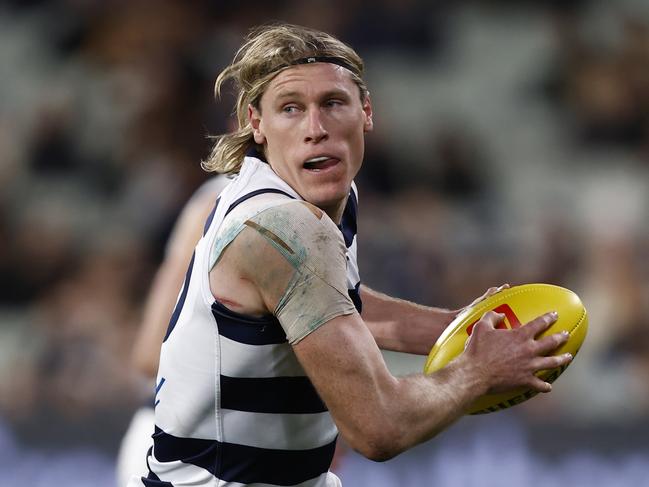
x=251 y=276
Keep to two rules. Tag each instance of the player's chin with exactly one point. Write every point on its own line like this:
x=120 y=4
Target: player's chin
x=329 y=196
x=333 y=180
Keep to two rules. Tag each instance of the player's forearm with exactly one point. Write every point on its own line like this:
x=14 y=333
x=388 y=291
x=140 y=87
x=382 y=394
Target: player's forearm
x=411 y=410
x=380 y=415
x=400 y=325
x=441 y=399
x=155 y=320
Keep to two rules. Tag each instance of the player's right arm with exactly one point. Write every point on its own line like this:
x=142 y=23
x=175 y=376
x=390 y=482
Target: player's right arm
x=377 y=414
x=381 y=416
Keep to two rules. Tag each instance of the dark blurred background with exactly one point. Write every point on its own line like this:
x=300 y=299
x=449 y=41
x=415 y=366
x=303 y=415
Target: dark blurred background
x=511 y=145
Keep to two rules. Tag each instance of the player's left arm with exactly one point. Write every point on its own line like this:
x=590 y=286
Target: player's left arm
x=404 y=326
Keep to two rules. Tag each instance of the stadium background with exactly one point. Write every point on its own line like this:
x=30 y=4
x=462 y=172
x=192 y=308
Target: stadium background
x=511 y=145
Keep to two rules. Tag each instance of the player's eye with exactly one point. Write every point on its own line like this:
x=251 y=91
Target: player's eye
x=289 y=108
x=333 y=102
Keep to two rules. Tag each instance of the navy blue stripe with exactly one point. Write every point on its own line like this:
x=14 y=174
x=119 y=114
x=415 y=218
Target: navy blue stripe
x=286 y=395
x=355 y=296
x=255 y=193
x=181 y=300
x=152 y=480
x=208 y=222
x=157 y=389
x=247 y=329
x=169 y=448
x=348 y=225
x=245 y=464
x=249 y=465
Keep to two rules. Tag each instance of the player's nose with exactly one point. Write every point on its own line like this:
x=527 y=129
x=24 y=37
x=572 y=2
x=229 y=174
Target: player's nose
x=315 y=129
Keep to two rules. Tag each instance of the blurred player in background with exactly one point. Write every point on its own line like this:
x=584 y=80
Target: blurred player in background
x=158 y=307
x=273 y=346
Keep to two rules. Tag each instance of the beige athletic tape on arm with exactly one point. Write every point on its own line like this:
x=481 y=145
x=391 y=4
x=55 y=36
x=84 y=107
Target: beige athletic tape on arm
x=310 y=241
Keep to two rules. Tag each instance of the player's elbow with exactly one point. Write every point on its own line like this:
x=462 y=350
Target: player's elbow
x=379 y=453
x=145 y=362
x=378 y=444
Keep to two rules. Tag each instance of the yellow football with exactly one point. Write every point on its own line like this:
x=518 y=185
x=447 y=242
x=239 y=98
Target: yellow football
x=520 y=305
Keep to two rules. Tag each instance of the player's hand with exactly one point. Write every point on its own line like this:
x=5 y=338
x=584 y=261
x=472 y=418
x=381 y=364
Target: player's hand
x=488 y=293
x=507 y=359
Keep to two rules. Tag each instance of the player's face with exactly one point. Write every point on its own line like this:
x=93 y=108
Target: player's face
x=312 y=124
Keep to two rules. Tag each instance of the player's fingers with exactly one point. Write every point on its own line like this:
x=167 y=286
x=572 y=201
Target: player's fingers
x=540 y=385
x=495 y=290
x=490 y=320
x=540 y=324
x=490 y=292
x=552 y=362
x=550 y=343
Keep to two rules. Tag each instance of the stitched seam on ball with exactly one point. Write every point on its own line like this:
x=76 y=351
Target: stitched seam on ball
x=579 y=321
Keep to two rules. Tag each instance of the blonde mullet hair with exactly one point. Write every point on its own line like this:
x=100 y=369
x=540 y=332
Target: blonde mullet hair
x=268 y=50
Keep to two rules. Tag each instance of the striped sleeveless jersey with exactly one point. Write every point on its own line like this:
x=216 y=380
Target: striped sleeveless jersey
x=233 y=405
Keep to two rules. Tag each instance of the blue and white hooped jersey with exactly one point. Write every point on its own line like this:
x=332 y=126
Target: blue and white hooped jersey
x=233 y=405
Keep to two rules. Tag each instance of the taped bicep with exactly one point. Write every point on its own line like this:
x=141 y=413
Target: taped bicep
x=312 y=288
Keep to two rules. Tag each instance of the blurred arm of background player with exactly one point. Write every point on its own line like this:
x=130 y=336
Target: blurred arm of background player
x=188 y=229
x=169 y=278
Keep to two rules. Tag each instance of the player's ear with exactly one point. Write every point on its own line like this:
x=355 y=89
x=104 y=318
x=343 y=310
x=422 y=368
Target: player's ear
x=254 y=116
x=368 y=123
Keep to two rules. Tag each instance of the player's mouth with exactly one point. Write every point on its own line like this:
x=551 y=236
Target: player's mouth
x=320 y=163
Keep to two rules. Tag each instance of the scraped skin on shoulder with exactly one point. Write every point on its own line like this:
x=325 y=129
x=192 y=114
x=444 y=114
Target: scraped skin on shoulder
x=289 y=261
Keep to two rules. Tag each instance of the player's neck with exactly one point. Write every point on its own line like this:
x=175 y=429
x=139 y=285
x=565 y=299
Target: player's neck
x=335 y=211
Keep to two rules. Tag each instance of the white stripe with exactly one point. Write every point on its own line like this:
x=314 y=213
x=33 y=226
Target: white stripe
x=327 y=479
x=186 y=398
x=243 y=360
x=353 y=276
x=200 y=426
x=278 y=431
